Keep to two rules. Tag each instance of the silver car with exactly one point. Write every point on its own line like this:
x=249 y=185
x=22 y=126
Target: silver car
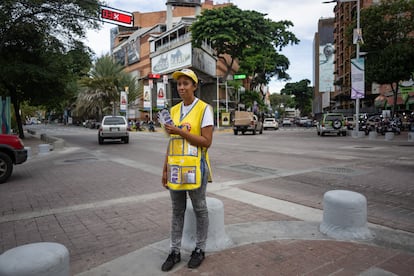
x=113 y=127
x=331 y=123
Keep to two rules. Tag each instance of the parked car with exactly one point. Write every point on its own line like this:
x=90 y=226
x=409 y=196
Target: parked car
x=331 y=123
x=113 y=127
x=12 y=152
x=270 y=123
x=349 y=122
x=286 y=122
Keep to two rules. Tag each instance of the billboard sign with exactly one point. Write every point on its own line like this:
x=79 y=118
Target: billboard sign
x=117 y=17
x=358 y=78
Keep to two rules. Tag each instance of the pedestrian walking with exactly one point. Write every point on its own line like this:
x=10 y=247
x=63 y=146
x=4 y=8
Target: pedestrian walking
x=187 y=166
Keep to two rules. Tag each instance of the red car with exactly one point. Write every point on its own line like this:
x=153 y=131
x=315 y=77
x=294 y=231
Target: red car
x=12 y=151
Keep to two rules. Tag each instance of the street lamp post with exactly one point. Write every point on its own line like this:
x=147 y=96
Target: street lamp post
x=357 y=56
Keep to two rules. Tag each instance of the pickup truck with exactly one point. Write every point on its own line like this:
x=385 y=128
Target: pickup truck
x=12 y=151
x=246 y=121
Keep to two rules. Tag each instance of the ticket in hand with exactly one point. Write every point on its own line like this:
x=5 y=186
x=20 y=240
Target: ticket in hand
x=164 y=117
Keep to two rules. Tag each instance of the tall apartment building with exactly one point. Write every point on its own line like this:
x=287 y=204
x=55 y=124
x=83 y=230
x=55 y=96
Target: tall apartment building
x=159 y=44
x=339 y=97
x=324 y=56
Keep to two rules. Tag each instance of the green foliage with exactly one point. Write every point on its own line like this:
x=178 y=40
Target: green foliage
x=388 y=39
x=40 y=49
x=302 y=93
x=246 y=36
x=100 y=90
x=279 y=102
x=249 y=97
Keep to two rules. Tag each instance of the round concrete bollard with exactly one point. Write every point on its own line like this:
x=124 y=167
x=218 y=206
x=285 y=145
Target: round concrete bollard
x=29 y=152
x=36 y=259
x=216 y=237
x=372 y=135
x=389 y=136
x=44 y=148
x=410 y=136
x=345 y=216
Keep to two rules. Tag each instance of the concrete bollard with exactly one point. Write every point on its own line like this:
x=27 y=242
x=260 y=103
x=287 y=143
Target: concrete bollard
x=44 y=149
x=345 y=216
x=36 y=259
x=29 y=152
x=372 y=135
x=216 y=237
x=411 y=136
x=389 y=136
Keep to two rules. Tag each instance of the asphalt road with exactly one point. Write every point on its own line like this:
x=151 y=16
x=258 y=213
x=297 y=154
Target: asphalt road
x=105 y=187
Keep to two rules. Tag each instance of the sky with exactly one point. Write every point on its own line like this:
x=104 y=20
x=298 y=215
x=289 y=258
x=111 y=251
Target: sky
x=304 y=14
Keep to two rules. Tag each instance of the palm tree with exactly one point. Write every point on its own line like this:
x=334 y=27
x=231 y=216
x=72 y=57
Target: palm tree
x=100 y=90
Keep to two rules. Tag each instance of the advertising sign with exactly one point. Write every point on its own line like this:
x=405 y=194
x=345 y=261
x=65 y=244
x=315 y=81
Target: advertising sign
x=147 y=97
x=160 y=95
x=171 y=60
x=123 y=101
x=326 y=68
x=225 y=119
x=117 y=17
x=358 y=78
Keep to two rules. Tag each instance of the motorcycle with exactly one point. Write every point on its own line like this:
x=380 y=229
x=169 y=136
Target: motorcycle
x=388 y=126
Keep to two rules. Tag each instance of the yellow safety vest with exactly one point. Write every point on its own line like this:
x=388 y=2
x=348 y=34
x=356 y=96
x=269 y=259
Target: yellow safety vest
x=184 y=159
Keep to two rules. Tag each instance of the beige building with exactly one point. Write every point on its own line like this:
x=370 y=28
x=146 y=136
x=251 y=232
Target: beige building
x=159 y=44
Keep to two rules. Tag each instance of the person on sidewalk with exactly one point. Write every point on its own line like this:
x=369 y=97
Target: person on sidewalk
x=187 y=166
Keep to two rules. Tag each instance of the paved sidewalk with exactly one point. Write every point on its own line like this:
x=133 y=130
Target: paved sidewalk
x=274 y=248
x=129 y=238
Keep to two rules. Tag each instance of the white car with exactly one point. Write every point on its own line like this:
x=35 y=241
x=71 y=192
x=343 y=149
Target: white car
x=113 y=127
x=270 y=123
x=286 y=122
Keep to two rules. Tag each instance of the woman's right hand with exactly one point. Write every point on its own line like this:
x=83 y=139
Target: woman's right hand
x=164 y=179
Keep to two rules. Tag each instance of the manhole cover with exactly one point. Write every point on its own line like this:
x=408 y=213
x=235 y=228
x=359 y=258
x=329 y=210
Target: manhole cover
x=81 y=160
x=253 y=169
x=338 y=170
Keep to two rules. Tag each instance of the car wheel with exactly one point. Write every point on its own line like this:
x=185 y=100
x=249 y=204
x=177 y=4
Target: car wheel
x=6 y=167
x=322 y=133
x=254 y=131
x=261 y=131
x=344 y=133
x=319 y=134
x=235 y=132
x=126 y=140
x=100 y=140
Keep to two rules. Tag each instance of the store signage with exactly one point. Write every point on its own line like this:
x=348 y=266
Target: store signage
x=117 y=17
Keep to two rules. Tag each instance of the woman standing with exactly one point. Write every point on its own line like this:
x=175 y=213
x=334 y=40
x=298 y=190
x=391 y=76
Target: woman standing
x=187 y=167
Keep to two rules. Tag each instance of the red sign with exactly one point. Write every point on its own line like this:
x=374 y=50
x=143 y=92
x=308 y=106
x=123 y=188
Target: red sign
x=117 y=17
x=154 y=76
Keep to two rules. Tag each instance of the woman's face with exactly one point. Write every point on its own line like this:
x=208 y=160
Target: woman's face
x=185 y=87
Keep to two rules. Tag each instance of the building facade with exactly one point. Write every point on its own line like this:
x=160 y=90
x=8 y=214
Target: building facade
x=159 y=44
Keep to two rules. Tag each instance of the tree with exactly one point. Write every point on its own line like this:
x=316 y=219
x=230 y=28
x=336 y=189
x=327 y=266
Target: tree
x=303 y=95
x=102 y=87
x=41 y=50
x=246 y=36
x=278 y=102
x=389 y=42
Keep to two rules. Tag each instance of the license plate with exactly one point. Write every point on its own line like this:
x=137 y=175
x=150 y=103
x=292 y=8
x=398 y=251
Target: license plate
x=114 y=129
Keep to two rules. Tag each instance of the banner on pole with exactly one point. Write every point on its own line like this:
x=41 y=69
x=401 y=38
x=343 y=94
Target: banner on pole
x=358 y=78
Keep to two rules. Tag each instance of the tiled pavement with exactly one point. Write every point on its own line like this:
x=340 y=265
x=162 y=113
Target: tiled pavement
x=108 y=235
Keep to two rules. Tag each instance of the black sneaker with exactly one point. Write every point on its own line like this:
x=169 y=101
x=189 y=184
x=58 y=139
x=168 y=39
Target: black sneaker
x=197 y=257
x=172 y=259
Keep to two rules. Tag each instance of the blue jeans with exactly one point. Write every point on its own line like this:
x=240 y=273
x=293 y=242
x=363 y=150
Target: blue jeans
x=179 y=204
